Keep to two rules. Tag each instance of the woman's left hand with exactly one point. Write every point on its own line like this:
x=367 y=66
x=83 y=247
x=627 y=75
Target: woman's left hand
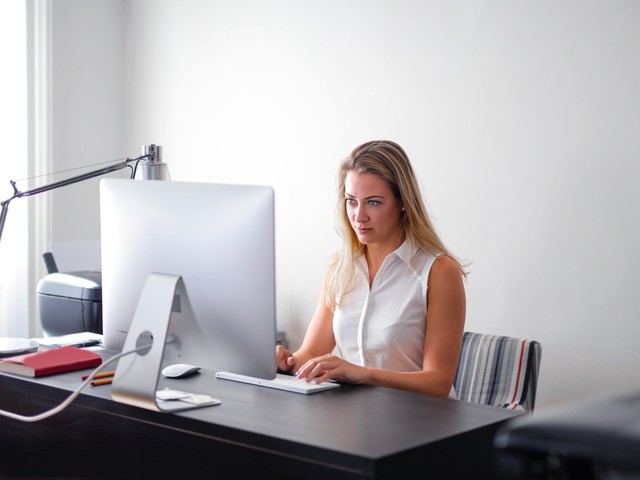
x=331 y=367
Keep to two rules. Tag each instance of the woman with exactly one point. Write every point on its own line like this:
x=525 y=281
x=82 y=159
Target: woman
x=393 y=300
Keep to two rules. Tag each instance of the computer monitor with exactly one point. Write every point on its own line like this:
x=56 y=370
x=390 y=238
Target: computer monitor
x=220 y=240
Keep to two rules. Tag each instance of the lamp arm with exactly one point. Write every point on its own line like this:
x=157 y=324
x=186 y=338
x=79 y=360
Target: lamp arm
x=62 y=183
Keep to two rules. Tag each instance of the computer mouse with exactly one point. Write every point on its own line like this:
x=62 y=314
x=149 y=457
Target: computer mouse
x=179 y=370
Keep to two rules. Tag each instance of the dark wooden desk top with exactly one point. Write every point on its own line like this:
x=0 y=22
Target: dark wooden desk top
x=355 y=428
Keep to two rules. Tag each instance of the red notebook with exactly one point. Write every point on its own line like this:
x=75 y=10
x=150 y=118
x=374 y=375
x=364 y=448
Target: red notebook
x=47 y=362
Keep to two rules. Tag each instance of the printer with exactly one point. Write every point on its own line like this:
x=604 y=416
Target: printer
x=70 y=302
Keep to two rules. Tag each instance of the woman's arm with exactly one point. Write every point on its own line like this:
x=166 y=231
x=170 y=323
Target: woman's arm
x=318 y=340
x=445 y=326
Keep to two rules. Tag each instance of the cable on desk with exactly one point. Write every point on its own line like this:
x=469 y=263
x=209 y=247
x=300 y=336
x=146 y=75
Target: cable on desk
x=73 y=396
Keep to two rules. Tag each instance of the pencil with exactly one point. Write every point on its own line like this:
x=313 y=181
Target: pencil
x=100 y=375
x=104 y=381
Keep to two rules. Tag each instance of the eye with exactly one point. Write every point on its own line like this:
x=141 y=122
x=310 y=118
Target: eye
x=351 y=202
x=373 y=203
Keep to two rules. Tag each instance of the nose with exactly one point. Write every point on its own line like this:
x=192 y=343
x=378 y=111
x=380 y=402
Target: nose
x=360 y=214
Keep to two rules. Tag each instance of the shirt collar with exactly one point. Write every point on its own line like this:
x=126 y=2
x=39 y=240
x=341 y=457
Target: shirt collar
x=404 y=252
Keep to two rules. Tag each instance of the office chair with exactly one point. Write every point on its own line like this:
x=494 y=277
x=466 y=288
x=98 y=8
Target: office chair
x=596 y=437
x=498 y=370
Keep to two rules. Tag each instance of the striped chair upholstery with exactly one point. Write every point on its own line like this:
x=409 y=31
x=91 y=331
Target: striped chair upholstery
x=498 y=370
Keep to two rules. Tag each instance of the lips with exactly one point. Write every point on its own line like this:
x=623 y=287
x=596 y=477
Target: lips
x=362 y=230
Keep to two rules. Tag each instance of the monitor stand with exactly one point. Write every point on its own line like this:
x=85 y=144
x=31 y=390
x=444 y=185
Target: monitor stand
x=136 y=378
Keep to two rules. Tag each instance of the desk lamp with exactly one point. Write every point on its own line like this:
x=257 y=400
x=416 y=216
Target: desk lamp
x=152 y=167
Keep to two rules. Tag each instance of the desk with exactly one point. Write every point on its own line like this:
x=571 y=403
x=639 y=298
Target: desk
x=349 y=432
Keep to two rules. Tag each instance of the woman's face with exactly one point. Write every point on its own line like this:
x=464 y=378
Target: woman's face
x=373 y=211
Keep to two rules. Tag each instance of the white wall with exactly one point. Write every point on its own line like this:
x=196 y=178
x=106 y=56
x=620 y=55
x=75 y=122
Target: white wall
x=521 y=118
x=14 y=312
x=74 y=71
x=87 y=105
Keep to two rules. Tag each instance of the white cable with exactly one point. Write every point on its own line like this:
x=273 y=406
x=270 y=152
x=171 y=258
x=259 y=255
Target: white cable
x=72 y=397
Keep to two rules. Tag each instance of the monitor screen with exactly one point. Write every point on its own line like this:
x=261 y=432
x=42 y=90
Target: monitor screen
x=220 y=240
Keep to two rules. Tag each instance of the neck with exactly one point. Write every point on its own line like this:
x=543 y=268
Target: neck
x=376 y=253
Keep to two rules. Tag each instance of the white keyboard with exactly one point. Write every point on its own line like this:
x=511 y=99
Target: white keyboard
x=281 y=382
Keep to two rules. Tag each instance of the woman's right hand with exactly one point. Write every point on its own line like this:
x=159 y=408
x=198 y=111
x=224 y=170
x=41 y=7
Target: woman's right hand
x=285 y=359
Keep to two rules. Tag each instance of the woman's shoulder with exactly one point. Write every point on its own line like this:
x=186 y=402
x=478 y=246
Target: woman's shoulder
x=445 y=280
x=445 y=269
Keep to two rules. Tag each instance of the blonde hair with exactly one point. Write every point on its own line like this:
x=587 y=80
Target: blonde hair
x=388 y=161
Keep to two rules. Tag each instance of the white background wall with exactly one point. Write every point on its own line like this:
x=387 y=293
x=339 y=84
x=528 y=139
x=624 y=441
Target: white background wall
x=522 y=119
x=14 y=314
x=87 y=105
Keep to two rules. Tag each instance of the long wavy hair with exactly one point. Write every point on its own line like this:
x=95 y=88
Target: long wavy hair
x=388 y=161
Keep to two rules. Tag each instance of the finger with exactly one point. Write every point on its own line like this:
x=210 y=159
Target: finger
x=310 y=370
x=282 y=352
x=304 y=371
x=321 y=371
x=284 y=359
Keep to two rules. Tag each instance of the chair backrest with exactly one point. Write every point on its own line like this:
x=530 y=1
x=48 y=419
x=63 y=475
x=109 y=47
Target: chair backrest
x=498 y=370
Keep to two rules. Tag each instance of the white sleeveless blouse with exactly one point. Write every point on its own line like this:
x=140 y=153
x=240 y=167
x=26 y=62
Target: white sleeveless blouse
x=384 y=326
